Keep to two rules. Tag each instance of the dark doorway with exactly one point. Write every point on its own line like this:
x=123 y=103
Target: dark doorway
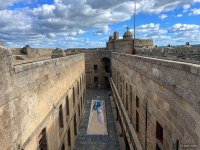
x=96 y=81
x=107 y=71
x=106 y=64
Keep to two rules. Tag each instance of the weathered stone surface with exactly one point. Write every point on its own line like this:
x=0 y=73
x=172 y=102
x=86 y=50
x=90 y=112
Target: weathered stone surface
x=185 y=54
x=95 y=57
x=172 y=95
x=32 y=89
x=31 y=96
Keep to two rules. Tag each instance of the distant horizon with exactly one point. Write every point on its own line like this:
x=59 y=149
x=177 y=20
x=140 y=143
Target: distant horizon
x=173 y=46
x=89 y=23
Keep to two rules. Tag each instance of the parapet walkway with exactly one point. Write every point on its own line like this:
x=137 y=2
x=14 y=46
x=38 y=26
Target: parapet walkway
x=97 y=142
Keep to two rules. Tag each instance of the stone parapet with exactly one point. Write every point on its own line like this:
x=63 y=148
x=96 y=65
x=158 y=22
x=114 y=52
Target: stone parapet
x=184 y=54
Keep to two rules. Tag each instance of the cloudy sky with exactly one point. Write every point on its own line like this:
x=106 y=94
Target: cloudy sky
x=88 y=23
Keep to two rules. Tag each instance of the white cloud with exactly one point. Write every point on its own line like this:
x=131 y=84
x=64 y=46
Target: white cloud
x=150 y=29
x=7 y=3
x=102 y=30
x=75 y=17
x=44 y=11
x=163 y=16
x=196 y=1
x=183 y=27
x=180 y=15
x=186 y=7
x=194 y=12
x=177 y=34
x=182 y=33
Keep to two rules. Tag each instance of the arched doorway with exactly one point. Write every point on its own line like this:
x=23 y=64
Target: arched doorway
x=107 y=71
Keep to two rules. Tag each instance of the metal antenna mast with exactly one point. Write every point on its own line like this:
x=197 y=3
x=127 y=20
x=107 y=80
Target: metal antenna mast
x=134 y=26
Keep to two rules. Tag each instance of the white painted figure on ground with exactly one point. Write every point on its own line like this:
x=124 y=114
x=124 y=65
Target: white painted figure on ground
x=98 y=107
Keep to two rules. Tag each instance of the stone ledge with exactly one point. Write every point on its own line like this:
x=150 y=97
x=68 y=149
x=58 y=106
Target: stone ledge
x=188 y=67
x=32 y=65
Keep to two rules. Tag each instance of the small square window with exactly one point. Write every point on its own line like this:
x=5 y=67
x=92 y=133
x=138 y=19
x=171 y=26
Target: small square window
x=95 y=67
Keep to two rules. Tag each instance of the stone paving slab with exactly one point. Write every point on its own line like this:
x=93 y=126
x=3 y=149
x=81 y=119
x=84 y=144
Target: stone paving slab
x=97 y=142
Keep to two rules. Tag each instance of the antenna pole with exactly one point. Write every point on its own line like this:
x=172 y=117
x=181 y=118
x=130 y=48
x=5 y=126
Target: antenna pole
x=134 y=17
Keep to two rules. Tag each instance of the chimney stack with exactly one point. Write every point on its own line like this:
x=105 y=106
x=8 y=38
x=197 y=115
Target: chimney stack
x=116 y=35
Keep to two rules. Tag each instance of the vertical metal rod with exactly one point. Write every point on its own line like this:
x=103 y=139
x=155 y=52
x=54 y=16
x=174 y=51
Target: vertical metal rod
x=134 y=17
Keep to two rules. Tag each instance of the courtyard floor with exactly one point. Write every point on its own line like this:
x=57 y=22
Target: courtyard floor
x=97 y=142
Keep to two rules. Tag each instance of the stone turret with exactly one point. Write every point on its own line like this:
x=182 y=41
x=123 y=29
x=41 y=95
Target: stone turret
x=128 y=35
x=116 y=36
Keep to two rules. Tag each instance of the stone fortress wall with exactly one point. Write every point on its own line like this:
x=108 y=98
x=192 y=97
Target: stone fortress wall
x=160 y=84
x=126 y=44
x=185 y=53
x=95 y=57
x=31 y=97
x=32 y=52
x=167 y=91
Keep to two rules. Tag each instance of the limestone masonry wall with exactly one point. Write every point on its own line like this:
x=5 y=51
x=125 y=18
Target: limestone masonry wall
x=30 y=97
x=94 y=57
x=185 y=54
x=168 y=91
x=126 y=46
x=32 y=52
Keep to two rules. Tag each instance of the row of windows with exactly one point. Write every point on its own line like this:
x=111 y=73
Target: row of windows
x=43 y=137
x=159 y=128
x=68 y=111
x=43 y=140
x=79 y=88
